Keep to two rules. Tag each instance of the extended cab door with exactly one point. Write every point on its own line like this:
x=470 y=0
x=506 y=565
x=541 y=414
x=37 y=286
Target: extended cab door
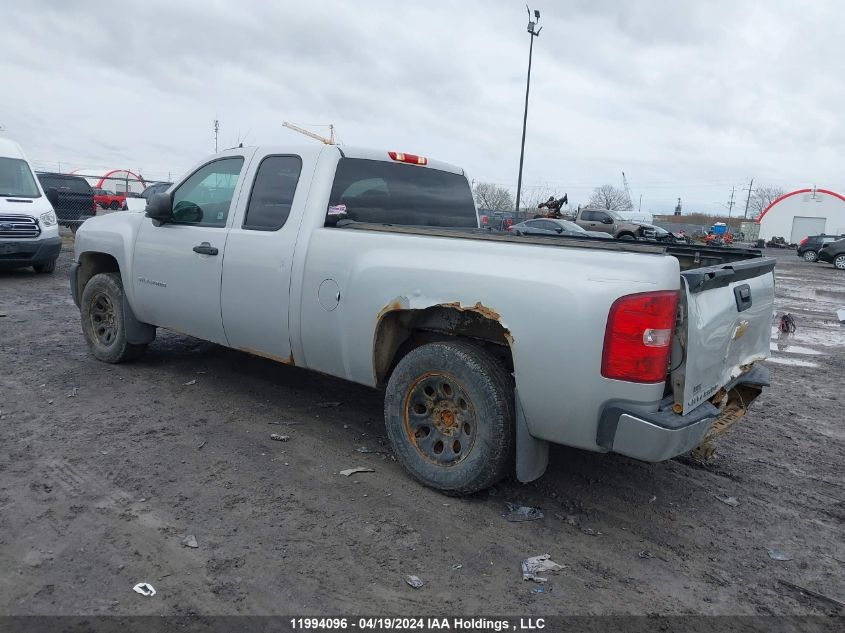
x=178 y=265
x=255 y=295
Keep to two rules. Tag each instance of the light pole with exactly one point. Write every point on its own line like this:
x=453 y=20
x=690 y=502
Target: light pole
x=533 y=33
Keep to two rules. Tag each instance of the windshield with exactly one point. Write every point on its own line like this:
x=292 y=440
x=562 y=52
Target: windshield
x=16 y=179
x=616 y=217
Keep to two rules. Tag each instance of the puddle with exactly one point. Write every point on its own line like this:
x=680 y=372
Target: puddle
x=788 y=348
x=794 y=362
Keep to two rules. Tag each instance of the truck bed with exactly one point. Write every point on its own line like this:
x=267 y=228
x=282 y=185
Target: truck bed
x=690 y=256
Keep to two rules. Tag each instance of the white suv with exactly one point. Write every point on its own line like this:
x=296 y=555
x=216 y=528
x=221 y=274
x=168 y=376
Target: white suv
x=29 y=232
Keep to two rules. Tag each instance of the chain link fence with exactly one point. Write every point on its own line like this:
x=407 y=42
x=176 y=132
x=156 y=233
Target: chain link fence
x=78 y=196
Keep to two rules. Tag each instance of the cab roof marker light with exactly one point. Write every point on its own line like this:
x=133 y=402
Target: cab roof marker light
x=411 y=159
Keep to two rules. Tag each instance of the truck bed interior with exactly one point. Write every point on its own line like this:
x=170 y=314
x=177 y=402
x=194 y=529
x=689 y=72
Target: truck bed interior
x=690 y=256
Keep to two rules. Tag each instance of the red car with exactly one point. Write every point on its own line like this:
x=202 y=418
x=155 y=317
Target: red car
x=109 y=200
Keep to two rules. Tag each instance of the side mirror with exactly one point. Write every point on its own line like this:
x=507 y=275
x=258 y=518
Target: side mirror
x=160 y=207
x=52 y=196
x=559 y=229
x=607 y=220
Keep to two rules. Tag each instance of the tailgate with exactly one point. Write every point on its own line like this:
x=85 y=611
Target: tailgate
x=725 y=326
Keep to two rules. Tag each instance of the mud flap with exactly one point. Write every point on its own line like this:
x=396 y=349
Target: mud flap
x=137 y=333
x=532 y=455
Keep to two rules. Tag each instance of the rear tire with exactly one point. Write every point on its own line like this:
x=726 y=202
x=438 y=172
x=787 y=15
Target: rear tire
x=839 y=261
x=810 y=256
x=103 y=320
x=449 y=414
x=45 y=267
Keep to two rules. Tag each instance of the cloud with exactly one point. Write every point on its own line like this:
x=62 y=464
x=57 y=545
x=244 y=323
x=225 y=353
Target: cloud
x=688 y=99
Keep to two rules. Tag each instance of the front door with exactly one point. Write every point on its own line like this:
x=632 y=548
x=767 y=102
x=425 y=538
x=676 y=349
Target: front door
x=178 y=265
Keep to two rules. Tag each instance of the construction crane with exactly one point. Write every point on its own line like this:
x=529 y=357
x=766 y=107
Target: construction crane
x=627 y=190
x=322 y=139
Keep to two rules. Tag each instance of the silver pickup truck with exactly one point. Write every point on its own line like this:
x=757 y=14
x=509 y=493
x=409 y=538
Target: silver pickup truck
x=370 y=266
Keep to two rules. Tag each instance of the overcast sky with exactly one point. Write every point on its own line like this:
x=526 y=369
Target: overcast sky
x=687 y=98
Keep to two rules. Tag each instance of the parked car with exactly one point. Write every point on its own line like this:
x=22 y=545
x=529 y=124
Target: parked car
x=109 y=199
x=809 y=247
x=833 y=253
x=29 y=231
x=71 y=196
x=139 y=202
x=552 y=226
x=371 y=266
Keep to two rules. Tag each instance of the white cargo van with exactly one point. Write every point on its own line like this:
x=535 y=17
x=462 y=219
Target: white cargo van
x=29 y=231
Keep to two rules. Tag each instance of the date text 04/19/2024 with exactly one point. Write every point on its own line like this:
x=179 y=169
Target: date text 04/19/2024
x=419 y=624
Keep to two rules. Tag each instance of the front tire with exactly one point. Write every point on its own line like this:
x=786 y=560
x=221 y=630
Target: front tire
x=114 y=206
x=449 y=413
x=103 y=320
x=810 y=256
x=627 y=236
x=45 y=267
x=839 y=261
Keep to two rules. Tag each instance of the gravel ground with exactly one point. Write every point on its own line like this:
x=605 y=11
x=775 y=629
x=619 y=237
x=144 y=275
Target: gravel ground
x=105 y=469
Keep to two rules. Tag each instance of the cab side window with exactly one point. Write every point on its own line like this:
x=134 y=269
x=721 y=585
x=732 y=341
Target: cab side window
x=205 y=198
x=272 y=193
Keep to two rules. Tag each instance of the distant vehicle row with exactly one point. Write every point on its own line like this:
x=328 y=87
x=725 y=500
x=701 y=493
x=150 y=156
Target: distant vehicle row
x=810 y=247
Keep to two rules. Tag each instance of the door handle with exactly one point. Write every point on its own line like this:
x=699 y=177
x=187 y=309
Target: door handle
x=206 y=249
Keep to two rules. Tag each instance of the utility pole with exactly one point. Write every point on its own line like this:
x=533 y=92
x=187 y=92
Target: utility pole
x=748 y=199
x=216 y=130
x=640 y=206
x=731 y=201
x=531 y=25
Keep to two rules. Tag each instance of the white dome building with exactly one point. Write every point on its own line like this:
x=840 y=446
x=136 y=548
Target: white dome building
x=804 y=212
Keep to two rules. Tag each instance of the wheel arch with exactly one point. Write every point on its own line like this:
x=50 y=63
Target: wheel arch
x=399 y=330
x=93 y=263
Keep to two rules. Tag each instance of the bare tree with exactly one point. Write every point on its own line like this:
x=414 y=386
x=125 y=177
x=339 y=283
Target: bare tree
x=490 y=196
x=611 y=198
x=761 y=198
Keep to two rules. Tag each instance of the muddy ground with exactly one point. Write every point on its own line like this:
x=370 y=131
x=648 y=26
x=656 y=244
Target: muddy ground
x=104 y=469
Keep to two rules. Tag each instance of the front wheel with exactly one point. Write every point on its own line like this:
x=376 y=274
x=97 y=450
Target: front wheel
x=626 y=236
x=115 y=205
x=810 y=256
x=45 y=267
x=103 y=320
x=839 y=262
x=449 y=413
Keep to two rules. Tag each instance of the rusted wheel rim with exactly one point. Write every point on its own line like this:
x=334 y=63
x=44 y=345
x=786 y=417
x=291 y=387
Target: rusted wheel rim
x=103 y=319
x=440 y=419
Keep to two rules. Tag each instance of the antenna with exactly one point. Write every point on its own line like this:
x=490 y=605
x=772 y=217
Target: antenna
x=216 y=130
x=308 y=133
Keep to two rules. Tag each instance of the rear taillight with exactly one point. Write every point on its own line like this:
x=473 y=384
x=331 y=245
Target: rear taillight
x=638 y=338
x=413 y=159
x=804 y=241
x=508 y=222
x=485 y=220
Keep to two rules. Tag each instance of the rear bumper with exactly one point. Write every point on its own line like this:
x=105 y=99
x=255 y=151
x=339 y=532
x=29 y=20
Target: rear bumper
x=29 y=252
x=658 y=436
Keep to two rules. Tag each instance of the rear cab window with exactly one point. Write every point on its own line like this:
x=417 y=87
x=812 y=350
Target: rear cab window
x=272 y=193
x=382 y=192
